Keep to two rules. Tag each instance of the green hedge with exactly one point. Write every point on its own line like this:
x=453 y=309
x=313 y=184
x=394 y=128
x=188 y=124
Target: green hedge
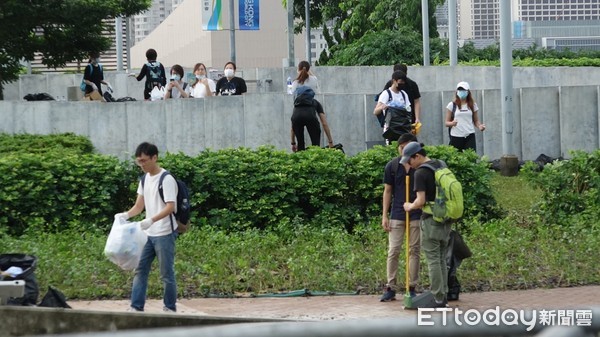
x=232 y=189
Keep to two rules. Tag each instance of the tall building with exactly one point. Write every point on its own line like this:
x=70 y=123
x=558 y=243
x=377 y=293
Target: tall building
x=146 y=22
x=572 y=24
x=180 y=39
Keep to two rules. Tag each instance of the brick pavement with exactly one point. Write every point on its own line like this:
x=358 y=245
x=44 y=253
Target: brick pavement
x=360 y=306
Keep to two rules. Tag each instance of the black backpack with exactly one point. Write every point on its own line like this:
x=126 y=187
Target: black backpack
x=182 y=214
x=397 y=120
x=155 y=76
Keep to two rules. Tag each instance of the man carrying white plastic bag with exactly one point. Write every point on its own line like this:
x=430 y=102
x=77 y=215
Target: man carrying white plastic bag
x=159 y=224
x=125 y=243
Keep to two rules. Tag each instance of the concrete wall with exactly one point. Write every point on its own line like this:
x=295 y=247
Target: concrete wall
x=547 y=118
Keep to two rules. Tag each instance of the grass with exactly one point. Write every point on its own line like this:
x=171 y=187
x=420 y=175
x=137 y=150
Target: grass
x=514 y=194
x=511 y=253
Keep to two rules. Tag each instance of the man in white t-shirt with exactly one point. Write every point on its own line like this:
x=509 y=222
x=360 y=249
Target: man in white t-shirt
x=159 y=225
x=399 y=98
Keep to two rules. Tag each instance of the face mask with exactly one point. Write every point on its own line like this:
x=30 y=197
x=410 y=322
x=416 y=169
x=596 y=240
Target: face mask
x=175 y=77
x=200 y=77
x=228 y=73
x=462 y=94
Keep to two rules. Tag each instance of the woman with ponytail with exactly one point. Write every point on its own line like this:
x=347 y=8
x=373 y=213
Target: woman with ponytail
x=305 y=78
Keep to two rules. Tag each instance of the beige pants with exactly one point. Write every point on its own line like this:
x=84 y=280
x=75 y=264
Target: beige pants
x=396 y=239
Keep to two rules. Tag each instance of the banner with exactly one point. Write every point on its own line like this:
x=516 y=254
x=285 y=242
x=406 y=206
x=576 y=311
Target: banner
x=211 y=15
x=249 y=15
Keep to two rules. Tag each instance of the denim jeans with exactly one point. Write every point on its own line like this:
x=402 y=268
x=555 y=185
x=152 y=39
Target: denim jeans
x=162 y=247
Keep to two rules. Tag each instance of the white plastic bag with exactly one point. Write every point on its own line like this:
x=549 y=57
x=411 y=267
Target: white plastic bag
x=157 y=94
x=125 y=243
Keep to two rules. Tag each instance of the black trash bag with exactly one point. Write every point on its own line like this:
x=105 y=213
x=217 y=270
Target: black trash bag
x=337 y=146
x=126 y=99
x=397 y=123
x=54 y=298
x=42 y=96
x=28 y=263
x=456 y=252
x=108 y=97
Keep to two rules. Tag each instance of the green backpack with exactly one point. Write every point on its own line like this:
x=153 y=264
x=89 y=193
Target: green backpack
x=448 y=204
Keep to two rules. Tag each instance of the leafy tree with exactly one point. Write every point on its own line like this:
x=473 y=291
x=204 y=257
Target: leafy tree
x=351 y=20
x=61 y=30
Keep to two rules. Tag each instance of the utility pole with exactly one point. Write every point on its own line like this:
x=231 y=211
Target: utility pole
x=425 y=20
x=452 y=28
x=509 y=162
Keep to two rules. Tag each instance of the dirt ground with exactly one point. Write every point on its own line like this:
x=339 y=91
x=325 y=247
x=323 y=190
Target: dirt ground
x=358 y=306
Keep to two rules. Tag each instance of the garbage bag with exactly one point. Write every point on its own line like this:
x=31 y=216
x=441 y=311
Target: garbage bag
x=27 y=265
x=125 y=243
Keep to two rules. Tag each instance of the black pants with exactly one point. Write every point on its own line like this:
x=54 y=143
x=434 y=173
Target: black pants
x=463 y=143
x=309 y=120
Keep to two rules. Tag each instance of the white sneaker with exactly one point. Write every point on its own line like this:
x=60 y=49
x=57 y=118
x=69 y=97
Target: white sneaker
x=132 y=309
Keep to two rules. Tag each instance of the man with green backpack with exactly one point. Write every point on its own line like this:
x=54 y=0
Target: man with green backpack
x=439 y=194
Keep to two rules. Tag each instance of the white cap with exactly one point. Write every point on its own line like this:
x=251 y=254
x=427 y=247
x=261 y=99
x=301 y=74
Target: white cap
x=463 y=85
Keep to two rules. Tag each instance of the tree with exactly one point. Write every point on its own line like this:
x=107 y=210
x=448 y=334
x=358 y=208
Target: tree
x=60 y=30
x=351 y=20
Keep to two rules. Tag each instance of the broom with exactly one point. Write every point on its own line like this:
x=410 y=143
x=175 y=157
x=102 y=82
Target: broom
x=407 y=299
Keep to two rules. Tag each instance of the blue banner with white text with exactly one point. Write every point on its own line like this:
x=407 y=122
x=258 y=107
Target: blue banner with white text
x=249 y=14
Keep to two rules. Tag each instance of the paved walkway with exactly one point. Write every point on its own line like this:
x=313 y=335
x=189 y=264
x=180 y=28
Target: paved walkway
x=360 y=306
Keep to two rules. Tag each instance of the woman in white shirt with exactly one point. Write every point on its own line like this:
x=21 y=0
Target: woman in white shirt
x=203 y=86
x=461 y=118
x=305 y=78
x=176 y=87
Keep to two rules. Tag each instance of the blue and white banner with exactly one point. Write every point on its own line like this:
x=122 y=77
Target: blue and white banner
x=211 y=15
x=249 y=15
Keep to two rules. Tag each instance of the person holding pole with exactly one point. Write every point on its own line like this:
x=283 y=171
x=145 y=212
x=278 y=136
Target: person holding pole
x=394 y=222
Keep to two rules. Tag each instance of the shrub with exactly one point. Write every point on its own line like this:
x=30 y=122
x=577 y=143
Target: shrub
x=28 y=143
x=570 y=188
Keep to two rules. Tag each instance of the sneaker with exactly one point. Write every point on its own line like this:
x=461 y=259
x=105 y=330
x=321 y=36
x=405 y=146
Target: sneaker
x=389 y=295
x=442 y=304
x=165 y=309
x=132 y=309
x=412 y=292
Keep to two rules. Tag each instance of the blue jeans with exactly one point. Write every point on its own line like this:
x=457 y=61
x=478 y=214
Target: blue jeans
x=162 y=247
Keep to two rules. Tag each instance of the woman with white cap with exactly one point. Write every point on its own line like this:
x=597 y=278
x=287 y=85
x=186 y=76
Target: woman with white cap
x=461 y=118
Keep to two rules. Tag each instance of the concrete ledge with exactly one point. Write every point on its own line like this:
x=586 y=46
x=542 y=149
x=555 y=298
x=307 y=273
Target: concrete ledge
x=28 y=321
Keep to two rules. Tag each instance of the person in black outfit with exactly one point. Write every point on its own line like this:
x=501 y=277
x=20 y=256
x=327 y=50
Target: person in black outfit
x=306 y=110
x=229 y=84
x=153 y=71
x=412 y=90
x=93 y=75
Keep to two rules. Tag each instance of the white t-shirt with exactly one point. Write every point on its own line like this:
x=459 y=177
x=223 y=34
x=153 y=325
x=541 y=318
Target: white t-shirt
x=175 y=92
x=464 y=116
x=311 y=82
x=401 y=97
x=154 y=204
x=199 y=90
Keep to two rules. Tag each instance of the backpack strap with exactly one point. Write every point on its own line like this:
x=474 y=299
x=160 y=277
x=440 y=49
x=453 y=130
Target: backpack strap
x=454 y=106
x=436 y=165
x=160 y=190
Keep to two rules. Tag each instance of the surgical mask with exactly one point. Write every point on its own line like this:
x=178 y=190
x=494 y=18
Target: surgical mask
x=228 y=73
x=200 y=77
x=175 y=77
x=462 y=94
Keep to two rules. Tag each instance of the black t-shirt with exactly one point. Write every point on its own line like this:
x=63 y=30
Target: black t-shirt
x=412 y=90
x=93 y=74
x=235 y=86
x=399 y=192
x=425 y=181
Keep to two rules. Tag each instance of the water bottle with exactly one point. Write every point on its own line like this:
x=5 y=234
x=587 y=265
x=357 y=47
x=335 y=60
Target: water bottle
x=289 y=85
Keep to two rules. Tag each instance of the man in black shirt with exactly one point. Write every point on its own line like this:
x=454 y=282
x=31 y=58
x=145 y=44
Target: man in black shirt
x=412 y=90
x=434 y=235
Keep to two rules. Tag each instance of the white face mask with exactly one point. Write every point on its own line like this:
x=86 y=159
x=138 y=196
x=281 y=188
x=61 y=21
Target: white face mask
x=200 y=77
x=228 y=73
